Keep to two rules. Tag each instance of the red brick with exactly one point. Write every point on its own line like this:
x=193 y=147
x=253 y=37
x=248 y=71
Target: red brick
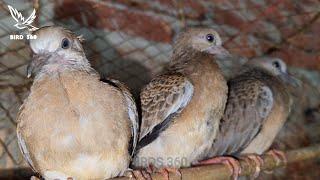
x=306 y=42
x=103 y=16
x=254 y=7
x=315 y=27
x=265 y=45
x=243 y=51
x=132 y=4
x=287 y=31
x=197 y=9
x=241 y=46
x=167 y=7
x=229 y=18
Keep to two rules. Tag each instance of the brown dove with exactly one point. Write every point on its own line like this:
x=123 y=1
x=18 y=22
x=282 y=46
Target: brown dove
x=72 y=125
x=258 y=105
x=182 y=108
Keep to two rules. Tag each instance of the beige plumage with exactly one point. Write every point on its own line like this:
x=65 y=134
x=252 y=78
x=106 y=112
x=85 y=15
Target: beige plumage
x=257 y=107
x=72 y=124
x=181 y=109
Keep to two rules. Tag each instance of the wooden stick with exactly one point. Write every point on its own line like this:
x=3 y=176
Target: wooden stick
x=248 y=168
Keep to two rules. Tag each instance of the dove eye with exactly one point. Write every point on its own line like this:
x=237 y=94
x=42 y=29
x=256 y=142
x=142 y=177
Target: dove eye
x=65 y=44
x=210 y=38
x=276 y=64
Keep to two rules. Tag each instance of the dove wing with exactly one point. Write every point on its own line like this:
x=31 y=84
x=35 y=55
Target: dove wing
x=132 y=110
x=21 y=143
x=246 y=111
x=162 y=99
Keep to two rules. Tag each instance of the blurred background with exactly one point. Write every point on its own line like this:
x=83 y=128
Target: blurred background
x=130 y=40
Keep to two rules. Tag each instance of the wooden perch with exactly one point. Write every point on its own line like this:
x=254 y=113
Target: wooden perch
x=218 y=172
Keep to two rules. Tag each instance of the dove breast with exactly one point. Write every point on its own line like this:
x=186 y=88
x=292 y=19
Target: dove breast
x=76 y=125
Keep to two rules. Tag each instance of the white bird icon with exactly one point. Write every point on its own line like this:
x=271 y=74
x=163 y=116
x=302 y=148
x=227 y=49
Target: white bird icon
x=21 y=23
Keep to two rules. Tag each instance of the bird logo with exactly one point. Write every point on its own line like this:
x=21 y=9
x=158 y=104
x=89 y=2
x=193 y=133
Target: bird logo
x=21 y=23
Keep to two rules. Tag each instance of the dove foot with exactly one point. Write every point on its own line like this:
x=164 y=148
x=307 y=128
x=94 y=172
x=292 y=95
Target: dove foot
x=141 y=174
x=165 y=172
x=138 y=174
x=258 y=162
x=278 y=155
x=232 y=164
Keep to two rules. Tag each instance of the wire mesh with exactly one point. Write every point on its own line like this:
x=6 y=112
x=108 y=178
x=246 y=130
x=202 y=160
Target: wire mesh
x=130 y=40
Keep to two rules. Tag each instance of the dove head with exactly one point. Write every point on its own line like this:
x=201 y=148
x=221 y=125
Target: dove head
x=55 y=49
x=275 y=67
x=204 y=40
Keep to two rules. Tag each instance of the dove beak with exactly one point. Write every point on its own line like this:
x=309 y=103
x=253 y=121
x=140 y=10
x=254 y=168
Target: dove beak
x=219 y=51
x=38 y=60
x=289 y=79
x=29 y=69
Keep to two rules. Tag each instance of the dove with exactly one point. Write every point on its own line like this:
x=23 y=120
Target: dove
x=258 y=105
x=23 y=23
x=182 y=107
x=72 y=125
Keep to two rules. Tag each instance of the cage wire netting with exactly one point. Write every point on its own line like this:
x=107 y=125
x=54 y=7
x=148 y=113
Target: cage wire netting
x=130 y=40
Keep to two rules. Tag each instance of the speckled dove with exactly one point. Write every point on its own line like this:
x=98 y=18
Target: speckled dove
x=257 y=107
x=182 y=108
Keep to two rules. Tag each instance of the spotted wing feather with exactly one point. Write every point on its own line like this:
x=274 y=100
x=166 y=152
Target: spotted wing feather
x=162 y=99
x=249 y=103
